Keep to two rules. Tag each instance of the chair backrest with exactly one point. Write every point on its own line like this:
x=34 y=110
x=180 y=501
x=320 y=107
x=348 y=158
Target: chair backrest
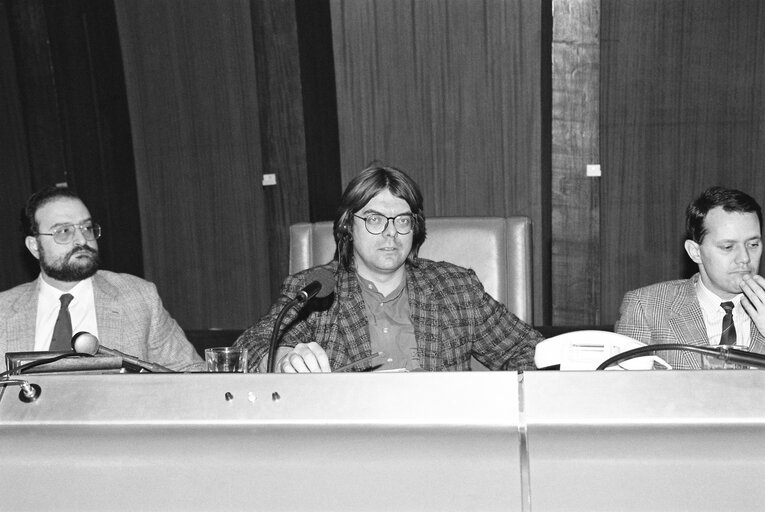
x=498 y=249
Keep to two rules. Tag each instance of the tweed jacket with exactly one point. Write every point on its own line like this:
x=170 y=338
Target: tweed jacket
x=129 y=314
x=669 y=312
x=453 y=319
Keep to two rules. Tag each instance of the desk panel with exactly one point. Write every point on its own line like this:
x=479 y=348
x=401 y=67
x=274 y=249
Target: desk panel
x=330 y=442
x=662 y=440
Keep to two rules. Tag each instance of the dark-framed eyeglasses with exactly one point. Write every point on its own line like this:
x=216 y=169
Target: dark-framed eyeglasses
x=376 y=223
x=65 y=234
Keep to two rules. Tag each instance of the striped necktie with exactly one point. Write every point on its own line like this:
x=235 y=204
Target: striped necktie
x=728 y=336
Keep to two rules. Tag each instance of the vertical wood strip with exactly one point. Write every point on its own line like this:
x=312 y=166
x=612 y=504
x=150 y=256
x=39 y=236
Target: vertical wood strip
x=282 y=129
x=575 y=130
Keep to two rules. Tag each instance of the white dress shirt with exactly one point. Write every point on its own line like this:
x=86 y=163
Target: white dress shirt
x=82 y=310
x=713 y=316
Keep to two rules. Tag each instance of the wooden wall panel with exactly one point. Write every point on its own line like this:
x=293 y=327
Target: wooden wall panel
x=682 y=108
x=449 y=91
x=192 y=93
x=575 y=197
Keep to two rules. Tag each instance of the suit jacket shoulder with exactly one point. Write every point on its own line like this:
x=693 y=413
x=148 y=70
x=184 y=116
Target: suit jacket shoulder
x=646 y=313
x=675 y=294
x=10 y=298
x=442 y=278
x=18 y=316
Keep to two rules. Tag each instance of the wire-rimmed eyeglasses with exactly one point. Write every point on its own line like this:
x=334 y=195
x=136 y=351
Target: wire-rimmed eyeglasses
x=376 y=223
x=65 y=234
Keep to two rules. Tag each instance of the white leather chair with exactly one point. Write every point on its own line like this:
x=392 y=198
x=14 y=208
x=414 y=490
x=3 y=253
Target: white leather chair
x=498 y=249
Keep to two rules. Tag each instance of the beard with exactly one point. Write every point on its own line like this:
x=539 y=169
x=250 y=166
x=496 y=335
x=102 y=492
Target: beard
x=66 y=271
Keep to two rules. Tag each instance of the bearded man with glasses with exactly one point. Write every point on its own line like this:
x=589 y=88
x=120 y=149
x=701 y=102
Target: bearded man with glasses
x=71 y=294
x=419 y=314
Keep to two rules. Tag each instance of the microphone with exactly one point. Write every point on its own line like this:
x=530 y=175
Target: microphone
x=321 y=283
x=735 y=355
x=85 y=343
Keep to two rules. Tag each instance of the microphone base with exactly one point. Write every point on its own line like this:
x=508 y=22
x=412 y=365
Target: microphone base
x=83 y=364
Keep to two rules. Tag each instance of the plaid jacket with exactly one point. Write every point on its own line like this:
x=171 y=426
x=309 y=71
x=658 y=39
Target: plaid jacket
x=129 y=314
x=453 y=319
x=669 y=312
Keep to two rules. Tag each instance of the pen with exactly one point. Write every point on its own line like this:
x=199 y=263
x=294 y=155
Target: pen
x=359 y=362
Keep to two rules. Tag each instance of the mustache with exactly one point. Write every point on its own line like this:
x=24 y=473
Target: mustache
x=83 y=248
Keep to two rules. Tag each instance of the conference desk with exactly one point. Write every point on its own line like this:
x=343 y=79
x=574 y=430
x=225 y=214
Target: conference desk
x=540 y=441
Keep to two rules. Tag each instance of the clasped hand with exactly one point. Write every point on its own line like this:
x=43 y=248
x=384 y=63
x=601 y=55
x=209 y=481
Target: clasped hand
x=304 y=358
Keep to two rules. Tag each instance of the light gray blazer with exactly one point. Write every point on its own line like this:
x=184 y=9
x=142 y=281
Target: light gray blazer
x=669 y=312
x=129 y=314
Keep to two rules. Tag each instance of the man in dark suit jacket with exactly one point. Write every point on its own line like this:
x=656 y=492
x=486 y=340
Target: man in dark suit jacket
x=123 y=311
x=422 y=315
x=724 y=238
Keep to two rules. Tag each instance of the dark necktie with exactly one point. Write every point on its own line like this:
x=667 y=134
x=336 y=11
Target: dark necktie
x=62 y=332
x=728 y=336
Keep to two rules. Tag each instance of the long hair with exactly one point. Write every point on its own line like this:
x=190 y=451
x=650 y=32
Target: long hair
x=370 y=182
x=730 y=200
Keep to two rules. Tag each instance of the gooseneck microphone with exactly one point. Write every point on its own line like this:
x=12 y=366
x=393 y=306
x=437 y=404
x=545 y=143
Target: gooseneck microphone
x=723 y=352
x=321 y=283
x=85 y=343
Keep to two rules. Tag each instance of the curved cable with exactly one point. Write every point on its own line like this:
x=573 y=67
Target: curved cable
x=274 y=343
x=723 y=352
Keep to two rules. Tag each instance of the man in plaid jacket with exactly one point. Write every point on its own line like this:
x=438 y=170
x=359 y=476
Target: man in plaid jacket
x=724 y=239
x=420 y=314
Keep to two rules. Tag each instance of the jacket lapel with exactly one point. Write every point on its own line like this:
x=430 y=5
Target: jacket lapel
x=108 y=311
x=426 y=321
x=686 y=319
x=687 y=324
x=351 y=322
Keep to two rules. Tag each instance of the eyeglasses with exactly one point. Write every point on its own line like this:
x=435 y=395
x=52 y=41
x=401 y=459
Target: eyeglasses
x=65 y=234
x=377 y=224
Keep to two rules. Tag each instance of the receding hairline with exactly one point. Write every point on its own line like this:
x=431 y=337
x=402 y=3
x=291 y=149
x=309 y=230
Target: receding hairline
x=55 y=199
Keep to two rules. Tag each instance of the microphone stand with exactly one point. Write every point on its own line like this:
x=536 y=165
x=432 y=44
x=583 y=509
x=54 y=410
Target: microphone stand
x=321 y=282
x=274 y=343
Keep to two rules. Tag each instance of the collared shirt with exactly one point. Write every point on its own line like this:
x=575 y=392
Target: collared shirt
x=713 y=315
x=82 y=310
x=390 y=326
